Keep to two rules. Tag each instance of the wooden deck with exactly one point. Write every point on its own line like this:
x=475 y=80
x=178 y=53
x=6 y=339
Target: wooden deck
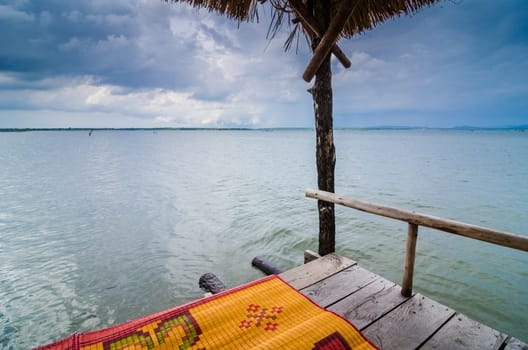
x=389 y=320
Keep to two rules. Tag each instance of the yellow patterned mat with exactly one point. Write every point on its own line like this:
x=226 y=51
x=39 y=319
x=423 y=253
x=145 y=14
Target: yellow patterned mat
x=265 y=314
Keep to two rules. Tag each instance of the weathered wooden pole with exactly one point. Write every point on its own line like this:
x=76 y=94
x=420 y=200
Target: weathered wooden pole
x=266 y=266
x=328 y=39
x=325 y=149
x=210 y=283
x=408 y=265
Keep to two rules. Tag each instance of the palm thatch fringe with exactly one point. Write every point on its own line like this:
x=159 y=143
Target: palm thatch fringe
x=367 y=13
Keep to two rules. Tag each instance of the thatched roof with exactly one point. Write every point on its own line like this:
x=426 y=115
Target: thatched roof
x=347 y=18
x=366 y=14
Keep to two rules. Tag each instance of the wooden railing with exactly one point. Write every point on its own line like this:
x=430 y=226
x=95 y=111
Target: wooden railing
x=414 y=220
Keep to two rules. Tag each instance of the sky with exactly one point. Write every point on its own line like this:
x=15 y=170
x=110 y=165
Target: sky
x=147 y=63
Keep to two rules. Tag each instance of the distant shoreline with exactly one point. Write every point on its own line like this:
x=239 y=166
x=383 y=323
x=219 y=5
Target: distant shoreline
x=463 y=128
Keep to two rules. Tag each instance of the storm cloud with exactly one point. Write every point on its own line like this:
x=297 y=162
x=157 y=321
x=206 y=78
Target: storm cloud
x=139 y=63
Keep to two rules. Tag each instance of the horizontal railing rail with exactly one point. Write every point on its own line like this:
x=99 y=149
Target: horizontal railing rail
x=414 y=220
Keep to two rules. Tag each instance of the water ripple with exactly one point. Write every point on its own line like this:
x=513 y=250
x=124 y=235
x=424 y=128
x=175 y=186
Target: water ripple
x=103 y=229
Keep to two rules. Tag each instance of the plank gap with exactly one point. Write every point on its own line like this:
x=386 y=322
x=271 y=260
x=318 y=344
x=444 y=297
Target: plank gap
x=437 y=330
x=408 y=325
x=506 y=342
x=388 y=312
x=357 y=290
x=338 y=286
x=370 y=303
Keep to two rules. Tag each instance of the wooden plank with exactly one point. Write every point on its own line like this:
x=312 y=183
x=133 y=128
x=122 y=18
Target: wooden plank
x=369 y=303
x=314 y=271
x=391 y=321
x=471 y=231
x=409 y=325
x=338 y=286
x=462 y=333
x=516 y=344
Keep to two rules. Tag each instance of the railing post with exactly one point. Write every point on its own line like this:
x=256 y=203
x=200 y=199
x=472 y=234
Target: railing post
x=408 y=267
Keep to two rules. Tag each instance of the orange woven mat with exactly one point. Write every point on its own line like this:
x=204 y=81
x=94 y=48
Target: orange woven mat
x=265 y=314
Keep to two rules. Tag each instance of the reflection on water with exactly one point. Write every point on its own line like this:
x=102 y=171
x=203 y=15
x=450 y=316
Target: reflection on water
x=103 y=229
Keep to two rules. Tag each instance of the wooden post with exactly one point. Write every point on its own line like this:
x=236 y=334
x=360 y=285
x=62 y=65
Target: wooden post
x=210 y=283
x=325 y=149
x=408 y=267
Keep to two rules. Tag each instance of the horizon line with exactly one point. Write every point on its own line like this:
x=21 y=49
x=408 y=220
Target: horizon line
x=388 y=127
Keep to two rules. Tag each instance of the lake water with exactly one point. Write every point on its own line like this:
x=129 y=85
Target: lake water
x=97 y=230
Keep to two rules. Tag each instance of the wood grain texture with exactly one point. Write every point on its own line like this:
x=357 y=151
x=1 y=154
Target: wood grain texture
x=338 y=286
x=324 y=141
x=312 y=272
x=369 y=303
x=409 y=325
x=462 y=333
x=388 y=319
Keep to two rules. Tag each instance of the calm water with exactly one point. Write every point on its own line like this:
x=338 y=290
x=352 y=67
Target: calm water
x=97 y=230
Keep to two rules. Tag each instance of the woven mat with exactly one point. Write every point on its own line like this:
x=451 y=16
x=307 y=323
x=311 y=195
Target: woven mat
x=264 y=314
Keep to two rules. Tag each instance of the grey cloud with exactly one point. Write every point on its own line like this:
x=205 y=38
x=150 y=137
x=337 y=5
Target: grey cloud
x=8 y=13
x=466 y=56
x=457 y=59
x=128 y=43
x=122 y=46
